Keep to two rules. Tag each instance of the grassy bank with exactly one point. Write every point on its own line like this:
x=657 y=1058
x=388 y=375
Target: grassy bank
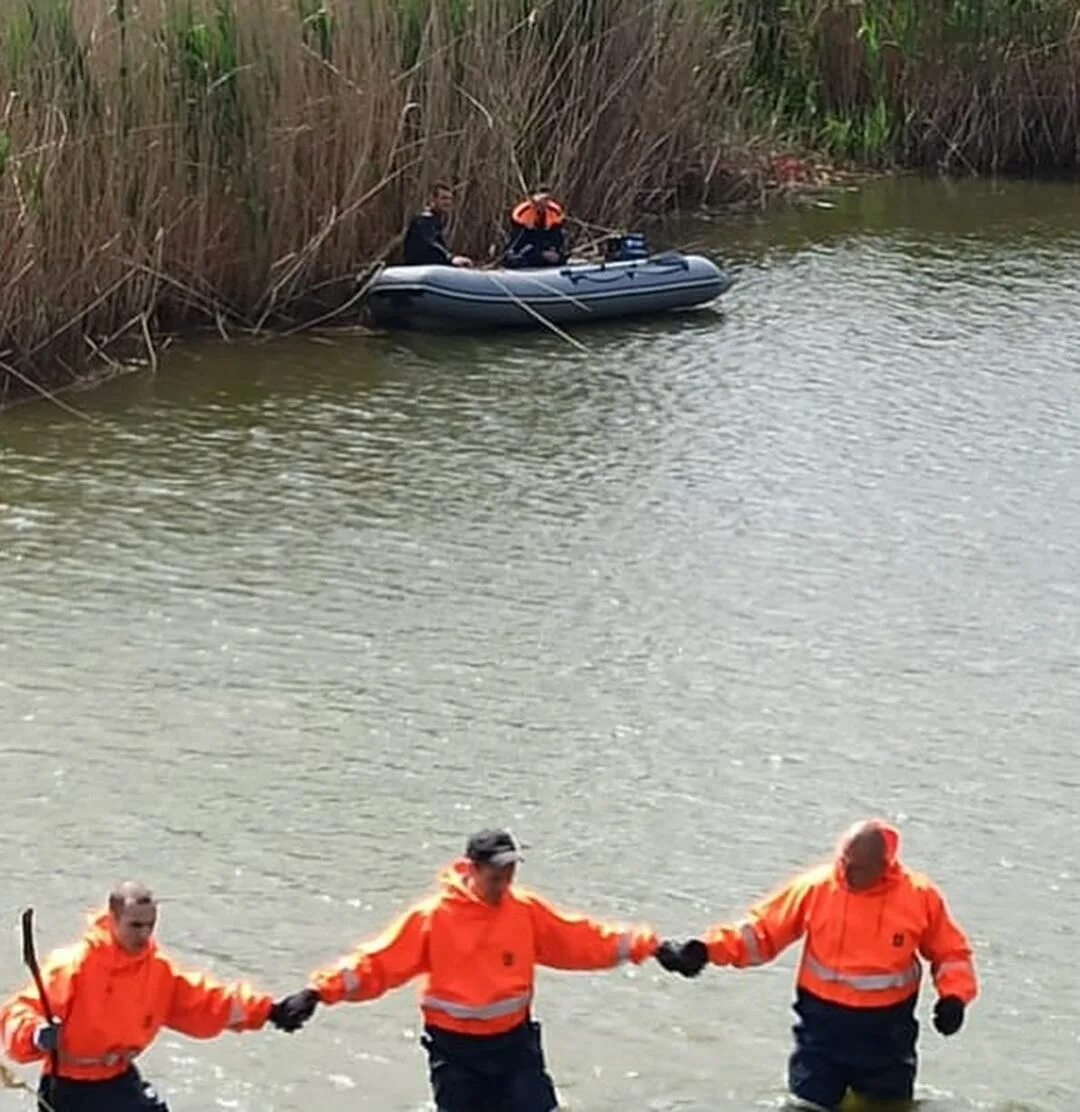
x=239 y=163
x=970 y=86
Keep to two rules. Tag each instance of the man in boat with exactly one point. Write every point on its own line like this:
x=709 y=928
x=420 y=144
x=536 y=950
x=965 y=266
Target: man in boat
x=537 y=233
x=110 y=993
x=476 y=944
x=425 y=241
x=866 y=920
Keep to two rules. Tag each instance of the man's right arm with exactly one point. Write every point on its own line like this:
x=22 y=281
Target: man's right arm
x=519 y=245
x=22 y=1016
x=374 y=968
x=770 y=926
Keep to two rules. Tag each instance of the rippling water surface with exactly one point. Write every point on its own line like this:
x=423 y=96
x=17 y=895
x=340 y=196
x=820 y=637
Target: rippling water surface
x=283 y=624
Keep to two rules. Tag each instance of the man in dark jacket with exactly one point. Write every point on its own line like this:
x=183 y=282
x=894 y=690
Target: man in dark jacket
x=537 y=237
x=425 y=244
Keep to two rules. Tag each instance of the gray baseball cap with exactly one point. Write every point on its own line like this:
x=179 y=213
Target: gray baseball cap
x=493 y=847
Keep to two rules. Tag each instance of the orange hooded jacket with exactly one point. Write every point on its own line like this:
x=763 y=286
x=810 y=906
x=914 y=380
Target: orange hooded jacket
x=112 y=1004
x=477 y=960
x=862 y=948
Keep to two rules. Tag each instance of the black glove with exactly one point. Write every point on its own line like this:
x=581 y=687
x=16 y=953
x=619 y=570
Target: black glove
x=949 y=1014
x=290 y=1013
x=47 y=1037
x=687 y=958
x=667 y=954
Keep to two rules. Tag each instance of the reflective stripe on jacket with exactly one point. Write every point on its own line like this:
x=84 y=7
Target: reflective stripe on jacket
x=477 y=962
x=111 y=1005
x=862 y=948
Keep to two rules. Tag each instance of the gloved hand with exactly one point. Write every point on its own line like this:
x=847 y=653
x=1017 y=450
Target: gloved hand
x=949 y=1014
x=290 y=1013
x=688 y=958
x=47 y=1037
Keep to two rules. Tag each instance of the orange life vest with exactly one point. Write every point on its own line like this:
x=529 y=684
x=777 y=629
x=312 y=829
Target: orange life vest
x=477 y=961
x=111 y=1005
x=527 y=215
x=862 y=948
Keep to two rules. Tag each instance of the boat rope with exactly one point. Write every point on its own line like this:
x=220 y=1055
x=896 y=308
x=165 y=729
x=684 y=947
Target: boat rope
x=537 y=314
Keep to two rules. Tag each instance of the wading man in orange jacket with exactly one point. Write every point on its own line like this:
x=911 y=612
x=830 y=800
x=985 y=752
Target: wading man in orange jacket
x=110 y=994
x=476 y=945
x=867 y=920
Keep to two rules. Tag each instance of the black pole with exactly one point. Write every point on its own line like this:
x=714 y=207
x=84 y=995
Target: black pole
x=30 y=957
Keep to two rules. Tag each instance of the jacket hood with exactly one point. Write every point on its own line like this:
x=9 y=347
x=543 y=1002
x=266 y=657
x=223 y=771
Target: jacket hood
x=455 y=888
x=101 y=936
x=893 y=867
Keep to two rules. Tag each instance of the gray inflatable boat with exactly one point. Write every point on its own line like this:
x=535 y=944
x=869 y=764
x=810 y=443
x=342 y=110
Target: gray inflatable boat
x=457 y=298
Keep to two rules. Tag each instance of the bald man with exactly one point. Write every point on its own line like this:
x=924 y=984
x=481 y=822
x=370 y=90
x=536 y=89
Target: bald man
x=110 y=994
x=867 y=920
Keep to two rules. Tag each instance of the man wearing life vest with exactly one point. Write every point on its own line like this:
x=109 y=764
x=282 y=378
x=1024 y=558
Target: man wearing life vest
x=475 y=945
x=867 y=920
x=110 y=994
x=537 y=235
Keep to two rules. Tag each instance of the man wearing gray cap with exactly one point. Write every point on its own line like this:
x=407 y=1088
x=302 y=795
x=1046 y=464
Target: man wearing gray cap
x=476 y=944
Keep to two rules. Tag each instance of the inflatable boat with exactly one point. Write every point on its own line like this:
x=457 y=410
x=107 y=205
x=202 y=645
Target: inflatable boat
x=459 y=298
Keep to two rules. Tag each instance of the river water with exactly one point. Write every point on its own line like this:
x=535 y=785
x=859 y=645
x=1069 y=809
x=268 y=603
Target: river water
x=282 y=624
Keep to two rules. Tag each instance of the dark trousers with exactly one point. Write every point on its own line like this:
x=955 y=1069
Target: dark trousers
x=868 y=1050
x=126 y=1093
x=489 y=1073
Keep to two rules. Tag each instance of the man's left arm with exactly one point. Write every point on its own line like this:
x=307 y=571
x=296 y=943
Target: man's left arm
x=952 y=965
x=566 y=941
x=203 y=1007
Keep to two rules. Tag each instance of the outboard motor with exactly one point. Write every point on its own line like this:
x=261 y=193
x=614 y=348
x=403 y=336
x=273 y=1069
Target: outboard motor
x=632 y=245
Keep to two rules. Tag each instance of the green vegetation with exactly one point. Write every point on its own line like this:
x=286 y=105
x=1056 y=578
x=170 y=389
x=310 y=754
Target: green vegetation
x=240 y=163
x=962 y=85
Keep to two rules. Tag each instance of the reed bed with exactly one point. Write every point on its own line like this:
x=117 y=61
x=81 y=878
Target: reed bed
x=241 y=162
